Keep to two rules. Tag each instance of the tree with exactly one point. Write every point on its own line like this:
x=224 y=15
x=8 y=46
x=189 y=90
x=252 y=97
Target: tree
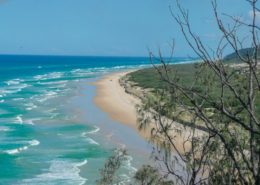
x=223 y=99
x=148 y=175
x=109 y=172
x=220 y=140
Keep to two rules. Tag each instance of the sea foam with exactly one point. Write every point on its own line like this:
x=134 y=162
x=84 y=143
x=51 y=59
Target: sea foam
x=23 y=148
x=34 y=142
x=60 y=172
x=31 y=121
x=14 y=81
x=125 y=178
x=5 y=129
x=19 y=119
x=91 y=141
x=30 y=106
x=16 y=151
x=12 y=89
x=48 y=76
x=95 y=130
x=46 y=96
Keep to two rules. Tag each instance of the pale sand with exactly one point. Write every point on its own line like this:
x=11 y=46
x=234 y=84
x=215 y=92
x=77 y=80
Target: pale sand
x=112 y=99
x=121 y=106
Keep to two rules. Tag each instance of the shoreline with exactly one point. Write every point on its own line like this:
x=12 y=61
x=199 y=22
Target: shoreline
x=120 y=106
x=112 y=99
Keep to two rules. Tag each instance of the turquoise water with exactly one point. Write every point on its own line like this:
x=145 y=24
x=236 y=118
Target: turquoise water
x=50 y=130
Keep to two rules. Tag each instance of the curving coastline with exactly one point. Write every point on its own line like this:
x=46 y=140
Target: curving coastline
x=112 y=98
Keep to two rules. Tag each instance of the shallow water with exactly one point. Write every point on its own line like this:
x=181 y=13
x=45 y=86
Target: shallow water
x=51 y=132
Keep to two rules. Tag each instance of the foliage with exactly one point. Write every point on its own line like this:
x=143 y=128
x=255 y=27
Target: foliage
x=147 y=175
x=109 y=172
x=149 y=78
x=220 y=140
x=222 y=98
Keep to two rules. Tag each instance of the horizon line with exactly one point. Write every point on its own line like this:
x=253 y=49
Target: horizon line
x=101 y=56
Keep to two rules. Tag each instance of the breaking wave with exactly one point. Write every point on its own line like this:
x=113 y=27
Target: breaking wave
x=23 y=148
x=60 y=172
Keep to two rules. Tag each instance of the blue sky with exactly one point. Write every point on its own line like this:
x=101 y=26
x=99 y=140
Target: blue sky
x=104 y=27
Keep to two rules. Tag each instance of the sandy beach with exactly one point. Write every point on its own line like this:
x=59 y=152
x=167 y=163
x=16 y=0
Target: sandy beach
x=120 y=106
x=112 y=99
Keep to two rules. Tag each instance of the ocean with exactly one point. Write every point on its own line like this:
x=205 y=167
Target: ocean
x=51 y=132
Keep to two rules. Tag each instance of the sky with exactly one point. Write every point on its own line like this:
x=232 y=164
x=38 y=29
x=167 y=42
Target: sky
x=106 y=27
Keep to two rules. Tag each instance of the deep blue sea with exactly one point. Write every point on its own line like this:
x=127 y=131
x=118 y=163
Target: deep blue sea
x=50 y=130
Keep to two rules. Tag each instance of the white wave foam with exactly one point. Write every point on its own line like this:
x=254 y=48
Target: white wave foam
x=103 y=70
x=34 y=142
x=14 y=81
x=11 y=89
x=51 y=93
x=30 y=106
x=19 y=119
x=40 y=77
x=128 y=164
x=59 y=172
x=130 y=66
x=2 y=93
x=31 y=121
x=84 y=72
x=53 y=75
x=48 y=95
x=18 y=99
x=125 y=178
x=16 y=151
x=54 y=82
x=23 y=148
x=83 y=134
x=91 y=141
x=5 y=129
x=16 y=88
x=76 y=70
x=2 y=101
x=97 y=129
